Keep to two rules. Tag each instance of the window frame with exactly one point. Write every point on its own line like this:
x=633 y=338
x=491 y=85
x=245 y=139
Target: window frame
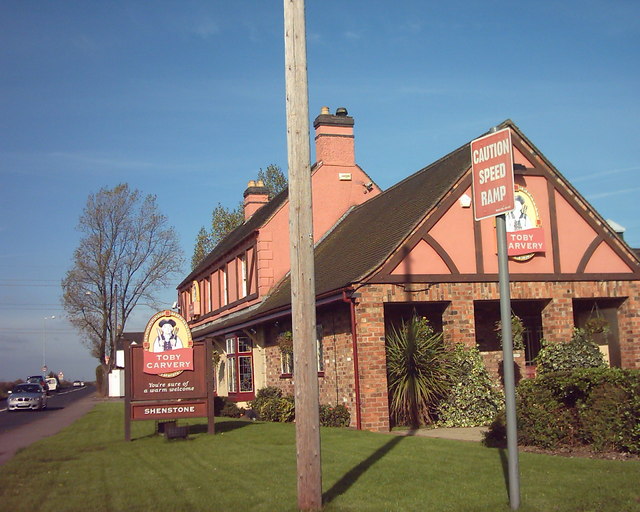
x=239 y=358
x=287 y=360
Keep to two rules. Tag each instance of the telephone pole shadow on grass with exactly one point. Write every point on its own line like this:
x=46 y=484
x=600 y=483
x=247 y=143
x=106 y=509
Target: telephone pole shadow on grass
x=352 y=476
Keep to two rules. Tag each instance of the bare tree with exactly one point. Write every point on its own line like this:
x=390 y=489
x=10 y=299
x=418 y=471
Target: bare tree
x=127 y=252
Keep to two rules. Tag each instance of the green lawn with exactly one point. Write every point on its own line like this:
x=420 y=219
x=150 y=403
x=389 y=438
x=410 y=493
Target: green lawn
x=251 y=466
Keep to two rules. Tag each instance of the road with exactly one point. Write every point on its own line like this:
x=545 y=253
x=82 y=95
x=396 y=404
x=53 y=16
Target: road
x=56 y=401
x=21 y=428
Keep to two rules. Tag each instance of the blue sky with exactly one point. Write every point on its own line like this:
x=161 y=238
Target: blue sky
x=185 y=100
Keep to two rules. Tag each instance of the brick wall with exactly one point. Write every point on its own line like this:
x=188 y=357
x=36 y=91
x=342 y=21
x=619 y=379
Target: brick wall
x=337 y=382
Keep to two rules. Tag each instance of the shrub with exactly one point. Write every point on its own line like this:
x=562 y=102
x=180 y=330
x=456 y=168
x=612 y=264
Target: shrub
x=278 y=409
x=517 y=332
x=598 y=407
x=610 y=417
x=334 y=416
x=543 y=420
x=222 y=406
x=419 y=371
x=580 y=352
x=262 y=396
x=271 y=405
x=472 y=400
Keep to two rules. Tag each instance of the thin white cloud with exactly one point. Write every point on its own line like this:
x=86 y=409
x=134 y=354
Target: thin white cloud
x=353 y=35
x=419 y=90
x=601 y=174
x=206 y=28
x=618 y=192
x=94 y=160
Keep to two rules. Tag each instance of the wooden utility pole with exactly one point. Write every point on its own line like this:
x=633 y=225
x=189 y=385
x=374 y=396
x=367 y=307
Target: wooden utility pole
x=302 y=265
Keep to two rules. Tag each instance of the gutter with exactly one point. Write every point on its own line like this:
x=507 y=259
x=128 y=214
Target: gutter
x=351 y=300
x=251 y=322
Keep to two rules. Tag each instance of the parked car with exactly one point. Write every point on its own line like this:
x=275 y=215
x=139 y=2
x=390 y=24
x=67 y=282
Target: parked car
x=52 y=382
x=38 y=379
x=27 y=396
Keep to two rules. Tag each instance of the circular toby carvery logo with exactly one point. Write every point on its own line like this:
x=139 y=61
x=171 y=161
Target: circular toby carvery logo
x=166 y=336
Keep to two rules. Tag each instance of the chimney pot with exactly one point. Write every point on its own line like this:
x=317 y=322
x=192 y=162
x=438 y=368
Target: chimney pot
x=334 y=138
x=255 y=197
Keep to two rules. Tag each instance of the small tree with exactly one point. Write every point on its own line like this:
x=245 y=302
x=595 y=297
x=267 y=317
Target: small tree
x=224 y=220
x=419 y=371
x=274 y=179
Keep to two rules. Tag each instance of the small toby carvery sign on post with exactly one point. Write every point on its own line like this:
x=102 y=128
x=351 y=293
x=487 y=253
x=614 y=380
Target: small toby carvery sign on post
x=492 y=171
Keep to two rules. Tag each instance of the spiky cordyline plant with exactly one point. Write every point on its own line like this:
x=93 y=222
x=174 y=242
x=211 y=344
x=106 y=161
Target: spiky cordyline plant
x=419 y=370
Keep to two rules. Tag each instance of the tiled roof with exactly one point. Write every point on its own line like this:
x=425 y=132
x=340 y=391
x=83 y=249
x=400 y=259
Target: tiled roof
x=366 y=236
x=369 y=233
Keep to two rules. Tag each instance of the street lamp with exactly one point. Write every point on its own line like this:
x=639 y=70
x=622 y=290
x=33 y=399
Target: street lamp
x=44 y=343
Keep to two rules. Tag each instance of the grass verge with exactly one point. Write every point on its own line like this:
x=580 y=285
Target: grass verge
x=251 y=466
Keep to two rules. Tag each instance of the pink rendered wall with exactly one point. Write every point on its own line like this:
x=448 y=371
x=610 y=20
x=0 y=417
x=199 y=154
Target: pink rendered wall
x=605 y=260
x=332 y=197
x=454 y=233
x=422 y=259
x=574 y=235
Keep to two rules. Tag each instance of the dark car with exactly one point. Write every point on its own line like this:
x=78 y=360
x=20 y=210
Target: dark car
x=27 y=396
x=38 y=379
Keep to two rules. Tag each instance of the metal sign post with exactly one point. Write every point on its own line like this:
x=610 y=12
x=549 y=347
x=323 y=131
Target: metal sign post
x=493 y=196
x=507 y=356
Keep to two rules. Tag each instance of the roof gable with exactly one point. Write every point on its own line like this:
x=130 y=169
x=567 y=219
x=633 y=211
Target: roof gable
x=381 y=239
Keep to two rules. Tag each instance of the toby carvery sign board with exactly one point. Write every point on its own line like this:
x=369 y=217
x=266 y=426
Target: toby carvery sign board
x=168 y=372
x=492 y=171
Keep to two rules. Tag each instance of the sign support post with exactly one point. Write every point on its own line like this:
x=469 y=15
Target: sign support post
x=493 y=196
x=507 y=357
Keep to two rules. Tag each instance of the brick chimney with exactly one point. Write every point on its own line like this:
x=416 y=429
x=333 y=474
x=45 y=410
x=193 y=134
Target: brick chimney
x=255 y=197
x=334 y=138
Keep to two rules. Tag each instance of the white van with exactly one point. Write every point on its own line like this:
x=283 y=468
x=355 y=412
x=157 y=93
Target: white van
x=53 y=383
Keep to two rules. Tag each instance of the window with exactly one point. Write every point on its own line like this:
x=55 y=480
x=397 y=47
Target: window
x=319 y=349
x=207 y=284
x=240 y=362
x=243 y=268
x=286 y=363
x=286 y=358
x=225 y=287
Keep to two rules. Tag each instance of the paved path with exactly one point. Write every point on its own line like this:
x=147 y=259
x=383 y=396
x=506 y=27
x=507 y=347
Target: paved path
x=20 y=437
x=457 y=434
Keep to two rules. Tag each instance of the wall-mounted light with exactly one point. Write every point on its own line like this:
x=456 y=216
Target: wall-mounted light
x=465 y=201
